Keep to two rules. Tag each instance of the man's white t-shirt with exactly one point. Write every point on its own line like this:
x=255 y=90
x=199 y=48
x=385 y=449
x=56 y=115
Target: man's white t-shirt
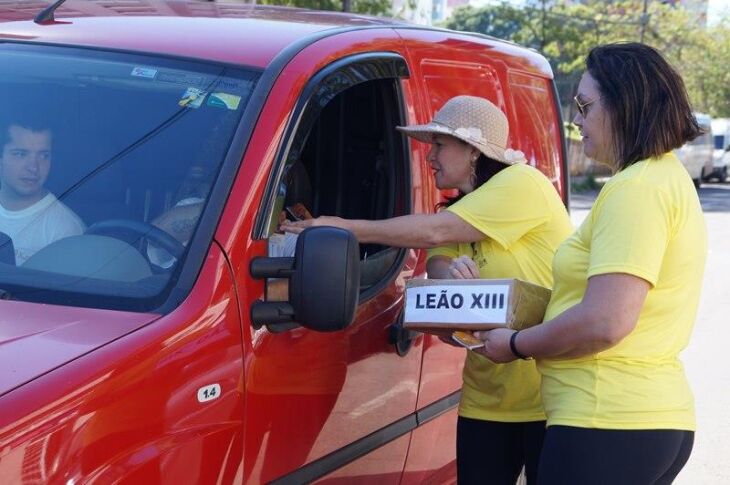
x=39 y=225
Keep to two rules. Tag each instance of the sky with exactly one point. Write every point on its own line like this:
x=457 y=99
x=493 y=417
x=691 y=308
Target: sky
x=718 y=9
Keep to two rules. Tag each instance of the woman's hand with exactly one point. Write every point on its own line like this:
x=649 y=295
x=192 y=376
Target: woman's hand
x=298 y=226
x=496 y=345
x=463 y=268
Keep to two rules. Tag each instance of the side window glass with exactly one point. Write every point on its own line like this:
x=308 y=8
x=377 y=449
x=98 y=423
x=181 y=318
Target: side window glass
x=349 y=161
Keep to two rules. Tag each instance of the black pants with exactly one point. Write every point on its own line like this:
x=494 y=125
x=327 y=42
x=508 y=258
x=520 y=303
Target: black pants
x=601 y=456
x=489 y=452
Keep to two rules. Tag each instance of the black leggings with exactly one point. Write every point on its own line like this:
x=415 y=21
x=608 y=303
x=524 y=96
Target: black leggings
x=603 y=456
x=490 y=452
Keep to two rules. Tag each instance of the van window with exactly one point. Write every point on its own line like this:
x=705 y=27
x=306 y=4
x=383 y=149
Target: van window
x=349 y=161
x=122 y=150
x=719 y=142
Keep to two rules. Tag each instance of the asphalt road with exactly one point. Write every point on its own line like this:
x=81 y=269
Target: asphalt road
x=705 y=357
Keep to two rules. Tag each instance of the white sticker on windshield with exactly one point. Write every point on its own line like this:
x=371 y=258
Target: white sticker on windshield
x=224 y=100
x=144 y=72
x=209 y=392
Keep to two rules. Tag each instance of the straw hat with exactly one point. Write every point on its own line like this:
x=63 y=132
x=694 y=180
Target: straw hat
x=473 y=120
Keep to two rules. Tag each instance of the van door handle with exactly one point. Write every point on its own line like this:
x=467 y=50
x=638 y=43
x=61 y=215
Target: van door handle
x=400 y=337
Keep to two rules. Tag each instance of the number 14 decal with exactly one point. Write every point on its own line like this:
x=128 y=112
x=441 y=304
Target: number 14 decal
x=209 y=392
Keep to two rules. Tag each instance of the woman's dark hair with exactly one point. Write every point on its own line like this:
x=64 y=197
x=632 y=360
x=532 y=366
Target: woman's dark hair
x=645 y=98
x=486 y=168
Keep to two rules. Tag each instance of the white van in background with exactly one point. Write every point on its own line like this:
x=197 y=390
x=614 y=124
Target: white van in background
x=721 y=153
x=696 y=156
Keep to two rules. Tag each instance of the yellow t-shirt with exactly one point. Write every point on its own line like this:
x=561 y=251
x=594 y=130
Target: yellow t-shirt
x=524 y=220
x=647 y=221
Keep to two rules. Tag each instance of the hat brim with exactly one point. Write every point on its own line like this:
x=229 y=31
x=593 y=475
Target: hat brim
x=426 y=132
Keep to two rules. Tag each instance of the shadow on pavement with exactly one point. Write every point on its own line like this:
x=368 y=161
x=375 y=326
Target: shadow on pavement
x=715 y=197
x=582 y=200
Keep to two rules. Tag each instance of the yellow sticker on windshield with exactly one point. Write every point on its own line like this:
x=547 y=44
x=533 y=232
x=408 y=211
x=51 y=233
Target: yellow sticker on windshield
x=224 y=100
x=193 y=98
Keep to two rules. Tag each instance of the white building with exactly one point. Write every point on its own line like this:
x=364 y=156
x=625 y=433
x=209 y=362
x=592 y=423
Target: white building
x=428 y=12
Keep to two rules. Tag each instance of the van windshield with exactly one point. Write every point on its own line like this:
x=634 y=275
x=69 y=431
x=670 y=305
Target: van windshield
x=106 y=164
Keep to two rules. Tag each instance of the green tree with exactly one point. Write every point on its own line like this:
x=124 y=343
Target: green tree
x=565 y=32
x=369 y=7
x=501 y=21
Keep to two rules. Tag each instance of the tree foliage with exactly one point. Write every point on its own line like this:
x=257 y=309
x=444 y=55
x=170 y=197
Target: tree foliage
x=370 y=7
x=565 y=31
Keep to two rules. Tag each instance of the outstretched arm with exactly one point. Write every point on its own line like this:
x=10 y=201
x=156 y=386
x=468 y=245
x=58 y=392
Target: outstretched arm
x=411 y=231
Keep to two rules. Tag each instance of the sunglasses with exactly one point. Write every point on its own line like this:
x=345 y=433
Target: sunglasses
x=582 y=107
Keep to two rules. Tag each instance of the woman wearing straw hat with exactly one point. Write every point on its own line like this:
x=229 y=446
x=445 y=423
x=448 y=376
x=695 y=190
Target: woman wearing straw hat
x=506 y=222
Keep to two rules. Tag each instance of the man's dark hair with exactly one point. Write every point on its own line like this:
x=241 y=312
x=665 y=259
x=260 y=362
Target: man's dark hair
x=645 y=98
x=29 y=122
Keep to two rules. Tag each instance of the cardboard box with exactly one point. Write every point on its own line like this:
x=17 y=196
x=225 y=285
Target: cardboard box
x=443 y=306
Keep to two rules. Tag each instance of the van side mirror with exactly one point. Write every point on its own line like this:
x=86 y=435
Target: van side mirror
x=324 y=279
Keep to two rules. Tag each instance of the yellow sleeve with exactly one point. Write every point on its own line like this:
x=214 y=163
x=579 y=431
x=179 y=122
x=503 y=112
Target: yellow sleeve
x=507 y=207
x=631 y=229
x=452 y=251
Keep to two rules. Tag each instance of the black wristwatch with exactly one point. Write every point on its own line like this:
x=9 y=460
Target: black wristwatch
x=513 y=347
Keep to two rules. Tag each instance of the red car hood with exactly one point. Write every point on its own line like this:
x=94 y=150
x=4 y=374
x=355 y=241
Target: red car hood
x=36 y=338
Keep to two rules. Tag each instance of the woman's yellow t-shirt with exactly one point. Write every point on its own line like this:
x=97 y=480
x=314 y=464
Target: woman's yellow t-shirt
x=647 y=221
x=524 y=220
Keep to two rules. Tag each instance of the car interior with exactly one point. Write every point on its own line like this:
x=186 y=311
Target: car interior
x=129 y=144
x=351 y=163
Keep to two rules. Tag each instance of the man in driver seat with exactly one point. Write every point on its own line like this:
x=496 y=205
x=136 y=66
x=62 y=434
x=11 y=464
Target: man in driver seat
x=29 y=214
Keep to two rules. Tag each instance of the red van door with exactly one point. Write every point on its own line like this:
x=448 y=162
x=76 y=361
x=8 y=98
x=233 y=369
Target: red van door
x=335 y=406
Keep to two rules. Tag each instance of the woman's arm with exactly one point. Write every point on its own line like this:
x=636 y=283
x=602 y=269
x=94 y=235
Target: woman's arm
x=608 y=312
x=411 y=231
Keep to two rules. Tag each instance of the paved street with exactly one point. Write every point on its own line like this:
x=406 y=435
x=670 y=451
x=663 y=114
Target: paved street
x=708 y=371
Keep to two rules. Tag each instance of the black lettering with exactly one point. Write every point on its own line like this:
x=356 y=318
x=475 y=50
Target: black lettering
x=457 y=300
x=494 y=300
x=476 y=300
x=443 y=300
x=430 y=301
x=501 y=301
x=486 y=300
x=418 y=301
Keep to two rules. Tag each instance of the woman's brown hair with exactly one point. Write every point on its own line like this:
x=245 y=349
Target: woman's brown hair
x=485 y=169
x=645 y=98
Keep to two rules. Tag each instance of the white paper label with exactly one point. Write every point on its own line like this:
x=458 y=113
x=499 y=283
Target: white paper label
x=208 y=393
x=457 y=304
x=282 y=245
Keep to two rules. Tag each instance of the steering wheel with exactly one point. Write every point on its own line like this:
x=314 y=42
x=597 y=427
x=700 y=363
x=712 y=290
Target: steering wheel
x=116 y=228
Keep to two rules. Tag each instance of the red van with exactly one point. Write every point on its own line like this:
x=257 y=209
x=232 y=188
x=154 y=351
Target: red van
x=154 y=347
